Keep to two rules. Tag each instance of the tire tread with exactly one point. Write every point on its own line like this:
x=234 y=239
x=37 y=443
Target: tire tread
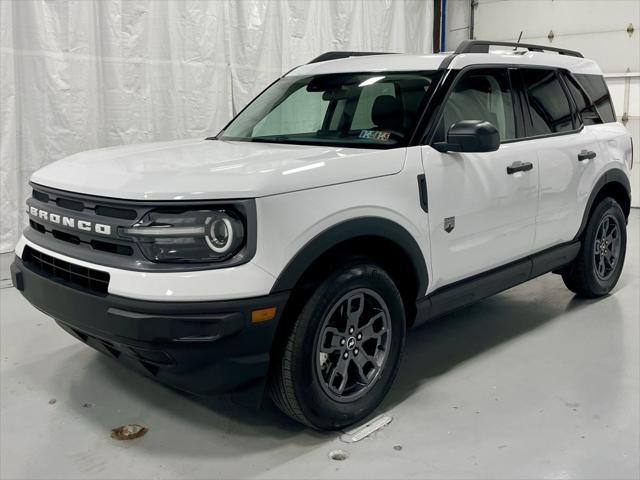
x=282 y=391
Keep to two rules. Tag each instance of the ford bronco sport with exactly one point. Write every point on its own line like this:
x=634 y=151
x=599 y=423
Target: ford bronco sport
x=354 y=198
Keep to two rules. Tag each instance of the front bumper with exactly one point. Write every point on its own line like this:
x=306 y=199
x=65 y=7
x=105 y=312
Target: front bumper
x=199 y=347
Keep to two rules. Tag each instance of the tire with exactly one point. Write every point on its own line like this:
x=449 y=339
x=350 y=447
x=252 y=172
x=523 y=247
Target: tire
x=597 y=268
x=306 y=381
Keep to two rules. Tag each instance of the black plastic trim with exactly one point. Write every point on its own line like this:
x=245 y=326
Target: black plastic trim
x=554 y=258
x=338 y=55
x=424 y=194
x=518 y=105
x=430 y=115
x=358 y=227
x=470 y=290
x=614 y=175
x=433 y=102
x=482 y=46
x=200 y=347
x=444 y=65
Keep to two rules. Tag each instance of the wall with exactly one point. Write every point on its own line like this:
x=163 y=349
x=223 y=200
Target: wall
x=77 y=75
x=597 y=28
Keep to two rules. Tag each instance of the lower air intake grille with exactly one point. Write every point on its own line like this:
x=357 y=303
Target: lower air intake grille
x=65 y=272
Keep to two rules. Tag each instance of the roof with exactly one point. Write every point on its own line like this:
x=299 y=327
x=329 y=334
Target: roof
x=410 y=62
x=373 y=63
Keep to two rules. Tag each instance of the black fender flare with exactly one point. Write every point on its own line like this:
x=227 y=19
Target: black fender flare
x=349 y=229
x=614 y=175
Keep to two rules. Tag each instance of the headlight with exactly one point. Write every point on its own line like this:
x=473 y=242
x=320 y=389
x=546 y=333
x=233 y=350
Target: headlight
x=191 y=236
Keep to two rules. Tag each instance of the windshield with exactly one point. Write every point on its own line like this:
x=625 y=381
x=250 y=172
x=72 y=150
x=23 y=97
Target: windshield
x=365 y=110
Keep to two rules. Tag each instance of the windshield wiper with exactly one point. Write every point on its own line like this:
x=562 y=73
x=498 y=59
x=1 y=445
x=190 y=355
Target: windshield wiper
x=274 y=139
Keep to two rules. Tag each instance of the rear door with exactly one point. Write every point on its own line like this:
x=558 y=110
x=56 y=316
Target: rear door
x=567 y=152
x=481 y=216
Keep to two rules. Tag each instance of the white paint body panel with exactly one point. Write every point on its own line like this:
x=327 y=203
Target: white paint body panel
x=495 y=213
x=563 y=196
x=243 y=281
x=301 y=191
x=212 y=169
x=566 y=183
x=288 y=222
x=598 y=29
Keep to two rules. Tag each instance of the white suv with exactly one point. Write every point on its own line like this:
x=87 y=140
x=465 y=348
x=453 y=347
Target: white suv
x=352 y=199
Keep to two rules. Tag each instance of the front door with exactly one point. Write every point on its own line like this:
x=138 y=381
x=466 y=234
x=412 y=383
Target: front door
x=482 y=212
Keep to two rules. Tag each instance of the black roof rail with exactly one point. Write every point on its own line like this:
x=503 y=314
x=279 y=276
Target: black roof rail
x=482 y=46
x=336 y=55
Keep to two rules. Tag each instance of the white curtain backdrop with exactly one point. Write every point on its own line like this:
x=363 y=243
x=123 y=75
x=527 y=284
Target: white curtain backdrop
x=77 y=75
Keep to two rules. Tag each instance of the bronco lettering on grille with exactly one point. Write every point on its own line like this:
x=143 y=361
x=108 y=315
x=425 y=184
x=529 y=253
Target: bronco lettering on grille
x=70 y=222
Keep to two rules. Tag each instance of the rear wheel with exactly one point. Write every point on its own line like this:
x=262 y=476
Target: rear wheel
x=598 y=266
x=343 y=349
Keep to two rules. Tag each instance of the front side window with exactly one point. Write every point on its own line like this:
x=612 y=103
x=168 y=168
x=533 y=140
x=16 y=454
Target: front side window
x=548 y=103
x=376 y=110
x=480 y=95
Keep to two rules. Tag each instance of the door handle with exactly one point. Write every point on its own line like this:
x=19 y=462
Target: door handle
x=586 y=155
x=519 y=167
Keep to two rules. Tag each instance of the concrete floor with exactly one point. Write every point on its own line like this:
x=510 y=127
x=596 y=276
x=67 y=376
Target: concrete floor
x=531 y=383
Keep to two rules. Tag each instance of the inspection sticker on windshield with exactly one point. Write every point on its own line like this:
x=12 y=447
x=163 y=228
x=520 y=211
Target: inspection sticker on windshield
x=375 y=135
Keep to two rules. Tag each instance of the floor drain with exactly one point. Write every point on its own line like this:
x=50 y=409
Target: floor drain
x=338 y=455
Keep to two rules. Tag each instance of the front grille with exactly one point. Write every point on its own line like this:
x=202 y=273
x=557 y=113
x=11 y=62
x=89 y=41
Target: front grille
x=110 y=247
x=90 y=228
x=70 y=204
x=77 y=205
x=61 y=271
x=43 y=197
x=65 y=236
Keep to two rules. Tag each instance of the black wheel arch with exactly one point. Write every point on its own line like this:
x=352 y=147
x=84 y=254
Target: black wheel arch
x=358 y=232
x=613 y=183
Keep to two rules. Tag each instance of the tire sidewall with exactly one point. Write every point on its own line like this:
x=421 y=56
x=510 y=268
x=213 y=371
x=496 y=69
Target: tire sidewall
x=321 y=410
x=597 y=285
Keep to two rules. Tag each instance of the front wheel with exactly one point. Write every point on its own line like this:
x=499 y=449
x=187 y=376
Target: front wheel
x=342 y=352
x=598 y=266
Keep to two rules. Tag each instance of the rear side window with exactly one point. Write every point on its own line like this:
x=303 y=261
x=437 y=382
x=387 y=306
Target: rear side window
x=599 y=94
x=586 y=110
x=548 y=103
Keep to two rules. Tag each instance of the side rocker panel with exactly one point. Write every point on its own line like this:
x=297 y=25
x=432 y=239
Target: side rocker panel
x=465 y=292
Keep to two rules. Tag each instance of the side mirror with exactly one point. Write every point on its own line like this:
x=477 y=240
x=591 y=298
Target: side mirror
x=470 y=136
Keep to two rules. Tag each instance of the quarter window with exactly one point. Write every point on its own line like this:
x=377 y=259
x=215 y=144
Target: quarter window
x=480 y=95
x=548 y=103
x=598 y=92
x=586 y=110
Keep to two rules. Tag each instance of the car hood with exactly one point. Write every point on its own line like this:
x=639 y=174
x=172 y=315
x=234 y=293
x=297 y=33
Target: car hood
x=212 y=169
